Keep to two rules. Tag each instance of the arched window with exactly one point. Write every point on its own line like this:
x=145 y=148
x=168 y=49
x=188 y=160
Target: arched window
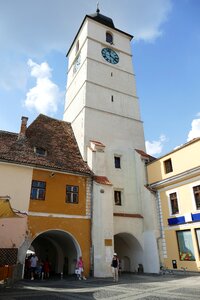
x=77 y=46
x=109 y=37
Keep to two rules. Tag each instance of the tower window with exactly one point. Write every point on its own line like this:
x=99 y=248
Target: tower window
x=117 y=198
x=77 y=46
x=117 y=160
x=112 y=98
x=109 y=37
x=168 y=166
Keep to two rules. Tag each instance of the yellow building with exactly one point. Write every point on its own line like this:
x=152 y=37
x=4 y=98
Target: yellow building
x=175 y=178
x=49 y=185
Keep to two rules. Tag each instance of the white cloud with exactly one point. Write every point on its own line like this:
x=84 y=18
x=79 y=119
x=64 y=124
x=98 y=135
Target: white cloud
x=195 y=129
x=155 y=147
x=29 y=30
x=45 y=96
x=34 y=30
x=142 y=18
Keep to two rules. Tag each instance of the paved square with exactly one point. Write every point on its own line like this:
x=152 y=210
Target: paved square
x=130 y=286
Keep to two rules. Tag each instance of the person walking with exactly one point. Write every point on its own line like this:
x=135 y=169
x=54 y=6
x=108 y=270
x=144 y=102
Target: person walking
x=33 y=263
x=46 y=269
x=115 y=267
x=80 y=267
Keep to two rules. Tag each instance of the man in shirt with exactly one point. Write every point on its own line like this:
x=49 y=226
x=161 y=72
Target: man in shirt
x=33 y=263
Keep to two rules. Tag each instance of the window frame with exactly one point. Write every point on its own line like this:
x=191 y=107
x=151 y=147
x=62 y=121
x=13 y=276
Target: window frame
x=109 y=37
x=197 y=207
x=168 y=166
x=198 y=239
x=118 y=193
x=117 y=161
x=171 y=199
x=183 y=255
x=39 y=190
x=72 y=193
x=40 y=151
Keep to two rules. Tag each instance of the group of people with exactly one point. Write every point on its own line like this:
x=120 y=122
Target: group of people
x=41 y=269
x=35 y=268
x=115 y=264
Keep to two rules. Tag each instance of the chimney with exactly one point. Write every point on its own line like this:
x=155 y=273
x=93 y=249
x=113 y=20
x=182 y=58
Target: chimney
x=23 y=128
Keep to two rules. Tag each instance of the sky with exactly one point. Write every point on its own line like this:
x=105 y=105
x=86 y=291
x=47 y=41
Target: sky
x=35 y=36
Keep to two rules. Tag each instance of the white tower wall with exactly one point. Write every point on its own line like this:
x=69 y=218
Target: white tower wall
x=102 y=105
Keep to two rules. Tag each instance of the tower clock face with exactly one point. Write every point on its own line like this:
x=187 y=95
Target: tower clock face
x=110 y=55
x=77 y=63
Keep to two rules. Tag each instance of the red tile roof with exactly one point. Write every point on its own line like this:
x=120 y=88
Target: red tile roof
x=144 y=154
x=55 y=136
x=138 y=216
x=97 y=143
x=102 y=180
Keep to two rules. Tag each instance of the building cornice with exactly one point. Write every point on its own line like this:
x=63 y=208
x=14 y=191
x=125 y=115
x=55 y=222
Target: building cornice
x=176 y=178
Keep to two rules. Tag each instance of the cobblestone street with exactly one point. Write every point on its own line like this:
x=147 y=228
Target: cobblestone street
x=145 y=287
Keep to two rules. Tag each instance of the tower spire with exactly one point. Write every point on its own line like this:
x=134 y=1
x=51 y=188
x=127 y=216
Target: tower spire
x=98 y=10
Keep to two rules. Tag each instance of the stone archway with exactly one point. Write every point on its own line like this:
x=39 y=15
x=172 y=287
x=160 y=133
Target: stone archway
x=61 y=249
x=129 y=251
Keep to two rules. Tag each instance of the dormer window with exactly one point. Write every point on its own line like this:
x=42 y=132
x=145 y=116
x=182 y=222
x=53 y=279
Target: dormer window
x=40 y=151
x=109 y=37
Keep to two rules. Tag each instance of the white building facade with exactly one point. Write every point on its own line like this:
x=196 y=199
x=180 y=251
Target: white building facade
x=103 y=108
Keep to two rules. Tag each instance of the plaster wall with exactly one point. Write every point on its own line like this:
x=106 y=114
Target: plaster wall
x=109 y=99
x=13 y=232
x=120 y=40
x=189 y=154
x=111 y=116
x=102 y=229
x=15 y=182
x=185 y=197
x=55 y=197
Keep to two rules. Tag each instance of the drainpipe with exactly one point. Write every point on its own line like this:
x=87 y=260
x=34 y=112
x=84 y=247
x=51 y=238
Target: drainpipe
x=91 y=230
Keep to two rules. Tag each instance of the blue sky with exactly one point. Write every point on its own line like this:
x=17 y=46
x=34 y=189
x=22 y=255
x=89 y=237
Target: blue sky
x=36 y=35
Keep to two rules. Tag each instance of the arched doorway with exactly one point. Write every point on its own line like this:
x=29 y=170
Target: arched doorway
x=60 y=248
x=129 y=251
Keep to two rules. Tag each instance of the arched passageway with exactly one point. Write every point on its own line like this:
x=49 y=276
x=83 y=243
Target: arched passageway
x=60 y=248
x=129 y=251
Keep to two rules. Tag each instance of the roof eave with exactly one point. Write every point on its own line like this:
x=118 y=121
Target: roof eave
x=32 y=165
x=89 y=17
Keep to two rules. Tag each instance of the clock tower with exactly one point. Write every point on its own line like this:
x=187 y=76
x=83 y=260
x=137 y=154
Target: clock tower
x=103 y=108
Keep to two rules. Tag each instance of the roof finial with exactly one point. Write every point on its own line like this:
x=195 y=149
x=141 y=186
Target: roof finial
x=98 y=10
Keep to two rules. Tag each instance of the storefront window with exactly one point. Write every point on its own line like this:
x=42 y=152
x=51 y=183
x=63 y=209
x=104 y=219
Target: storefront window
x=186 y=250
x=198 y=237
